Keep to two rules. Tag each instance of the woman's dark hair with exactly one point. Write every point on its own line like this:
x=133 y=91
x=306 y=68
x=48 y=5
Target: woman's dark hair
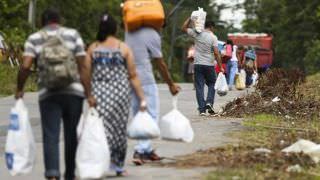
x=230 y=42
x=107 y=27
x=50 y=15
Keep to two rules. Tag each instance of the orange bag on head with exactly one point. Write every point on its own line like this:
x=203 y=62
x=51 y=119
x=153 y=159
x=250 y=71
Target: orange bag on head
x=138 y=13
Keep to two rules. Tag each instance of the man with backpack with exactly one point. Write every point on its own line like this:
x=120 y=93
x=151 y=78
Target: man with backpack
x=64 y=81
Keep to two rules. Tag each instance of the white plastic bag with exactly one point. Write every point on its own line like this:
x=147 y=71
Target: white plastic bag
x=255 y=77
x=175 y=126
x=20 y=145
x=93 y=154
x=143 y=127
x=308 y=147
x=85 y=111
x=199 y=18
x=221 y=85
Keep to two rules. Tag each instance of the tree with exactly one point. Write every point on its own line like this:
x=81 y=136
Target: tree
x=293 y=23
x=84 y=15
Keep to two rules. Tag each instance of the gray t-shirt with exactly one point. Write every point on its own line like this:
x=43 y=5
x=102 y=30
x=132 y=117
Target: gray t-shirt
x=204 y=45
x=146 y=45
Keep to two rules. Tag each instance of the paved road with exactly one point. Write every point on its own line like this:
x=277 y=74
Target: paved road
x=209 y=132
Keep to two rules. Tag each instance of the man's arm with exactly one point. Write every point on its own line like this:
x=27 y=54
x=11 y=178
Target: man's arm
x=185 y=25
x=161 y=65
x=84 y=67
x=218 y=58
x=23 y=75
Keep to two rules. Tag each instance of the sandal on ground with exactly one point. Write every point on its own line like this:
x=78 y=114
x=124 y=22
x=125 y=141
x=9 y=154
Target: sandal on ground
x=122 y=173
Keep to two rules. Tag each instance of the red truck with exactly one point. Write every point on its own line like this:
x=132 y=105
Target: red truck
x=262 y=44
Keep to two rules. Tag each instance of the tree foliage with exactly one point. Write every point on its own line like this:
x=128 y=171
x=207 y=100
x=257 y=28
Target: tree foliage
x=293 y=23
x=83 y=15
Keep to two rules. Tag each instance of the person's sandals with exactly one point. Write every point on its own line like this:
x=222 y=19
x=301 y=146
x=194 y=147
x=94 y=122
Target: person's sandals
x=138 y=158
x=122 y=173
x=152 y=156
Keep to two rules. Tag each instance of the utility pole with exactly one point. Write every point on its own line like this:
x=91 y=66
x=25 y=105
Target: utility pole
x=32 y=13
x=174 y=29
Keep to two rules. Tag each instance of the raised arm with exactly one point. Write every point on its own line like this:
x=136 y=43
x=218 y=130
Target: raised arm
x=185 y=25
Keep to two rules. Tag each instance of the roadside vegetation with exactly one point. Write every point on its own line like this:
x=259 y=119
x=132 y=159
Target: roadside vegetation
x=269 y=127
x=8 y=80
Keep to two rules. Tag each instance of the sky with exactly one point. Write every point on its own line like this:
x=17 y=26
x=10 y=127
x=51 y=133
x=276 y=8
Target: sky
x=232 y=16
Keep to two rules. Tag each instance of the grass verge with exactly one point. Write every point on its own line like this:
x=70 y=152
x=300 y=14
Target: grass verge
x=269 y=127
x=8 y=80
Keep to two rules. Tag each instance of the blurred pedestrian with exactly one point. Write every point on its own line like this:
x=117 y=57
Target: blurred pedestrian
x=232 y=64
x=206 y=52
x=146 y=45
x=113 y=70
x=250 y=64
x=190 y=68
x=60 y=95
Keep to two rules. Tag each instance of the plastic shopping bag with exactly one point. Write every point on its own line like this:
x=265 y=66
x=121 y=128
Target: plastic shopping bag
x=241 y=80
x=175 y=126
x=20 y=145
x=199 y=18
x=93 y=154
x=221 y=85
x=255 y=77
x=143 y=127
x=307 y=147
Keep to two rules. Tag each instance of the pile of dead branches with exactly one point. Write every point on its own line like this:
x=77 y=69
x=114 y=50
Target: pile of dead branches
x=241 y=156
x=278 y=93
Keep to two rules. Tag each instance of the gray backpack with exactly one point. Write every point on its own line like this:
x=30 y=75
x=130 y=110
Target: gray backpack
x=56 y=63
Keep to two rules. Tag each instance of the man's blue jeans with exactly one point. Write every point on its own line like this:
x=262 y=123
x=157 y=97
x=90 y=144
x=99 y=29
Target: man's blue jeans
x=204 y=75
x=152 y=97
x=53 y=109
x=232 y=69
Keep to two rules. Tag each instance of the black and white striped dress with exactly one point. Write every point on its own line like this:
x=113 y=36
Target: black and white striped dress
x=111 y=87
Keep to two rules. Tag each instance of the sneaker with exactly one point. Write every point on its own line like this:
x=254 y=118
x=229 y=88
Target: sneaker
x=138 y=158
x=152 y=156
x=202 y=114
x=210 y=109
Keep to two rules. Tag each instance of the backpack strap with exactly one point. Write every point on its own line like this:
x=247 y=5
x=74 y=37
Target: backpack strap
x=44 y=34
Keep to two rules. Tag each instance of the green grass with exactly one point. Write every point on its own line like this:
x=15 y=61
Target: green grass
x=259 y=172
x=8 y=81
x=264 y=130
x=312 y=86
x=257 y=135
